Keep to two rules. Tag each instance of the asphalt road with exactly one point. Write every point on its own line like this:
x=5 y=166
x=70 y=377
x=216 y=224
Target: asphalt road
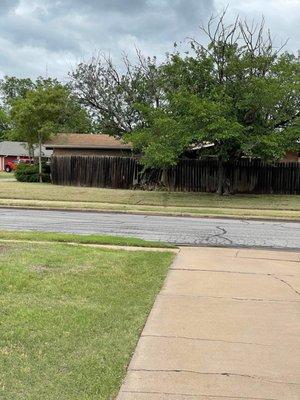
x=179 y=230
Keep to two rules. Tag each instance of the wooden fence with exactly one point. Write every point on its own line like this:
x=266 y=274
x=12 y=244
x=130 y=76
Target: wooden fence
x=243 y=176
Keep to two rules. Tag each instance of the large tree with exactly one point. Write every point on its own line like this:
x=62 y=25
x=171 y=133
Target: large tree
x=45 y=111
x=237 y=92
x=11 y=88
x=233 y=89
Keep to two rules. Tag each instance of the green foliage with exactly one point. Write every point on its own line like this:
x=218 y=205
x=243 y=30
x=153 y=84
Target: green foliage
x=12 y=88
x=36 y=110
x=4 y=123
x=30 y=173
x=241 y=95
x=187 y=120
x=251 y=115
x=233 y=89
x=46 y=110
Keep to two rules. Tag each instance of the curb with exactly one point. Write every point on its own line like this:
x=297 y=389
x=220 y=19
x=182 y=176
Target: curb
x=154 y=214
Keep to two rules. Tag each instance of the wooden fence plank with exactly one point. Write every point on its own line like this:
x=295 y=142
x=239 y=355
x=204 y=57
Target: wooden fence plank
x=245 y=176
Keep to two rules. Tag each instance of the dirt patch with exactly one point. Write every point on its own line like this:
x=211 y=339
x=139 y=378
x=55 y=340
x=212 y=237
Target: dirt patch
x=81 y=268
x=40 y=268
x=3 y=248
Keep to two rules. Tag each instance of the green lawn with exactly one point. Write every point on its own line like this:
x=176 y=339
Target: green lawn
x=19 y=194
x=6 y=175
x=71 y=317
x=81 y=239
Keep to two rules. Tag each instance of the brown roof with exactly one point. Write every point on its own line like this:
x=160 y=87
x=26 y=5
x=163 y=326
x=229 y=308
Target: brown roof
x=86 y=141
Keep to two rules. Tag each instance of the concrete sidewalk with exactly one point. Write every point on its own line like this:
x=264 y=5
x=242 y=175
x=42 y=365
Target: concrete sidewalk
x=226 y=325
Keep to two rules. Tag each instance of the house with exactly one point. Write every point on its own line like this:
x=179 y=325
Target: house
x=11 y=151
x=76 y=144
x=195 y=152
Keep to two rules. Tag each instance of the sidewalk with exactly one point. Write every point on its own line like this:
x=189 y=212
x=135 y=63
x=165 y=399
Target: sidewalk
x=226 y=325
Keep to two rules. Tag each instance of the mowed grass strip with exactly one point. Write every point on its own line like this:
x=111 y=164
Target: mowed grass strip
x=81 y=239
x=228 y=212
x=7 y=175
x=77 y=195
x=71 y=318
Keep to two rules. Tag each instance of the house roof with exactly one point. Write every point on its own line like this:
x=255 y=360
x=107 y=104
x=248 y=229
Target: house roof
x=20 y=149
x=87 y=141
x=13 y=149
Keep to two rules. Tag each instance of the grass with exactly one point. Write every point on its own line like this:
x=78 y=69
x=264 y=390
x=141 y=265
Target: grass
x=176 y=203
x=71 y=317
x=5 y=175
x=81 y=239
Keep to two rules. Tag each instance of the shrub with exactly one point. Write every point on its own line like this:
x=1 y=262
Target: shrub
x=30 y=173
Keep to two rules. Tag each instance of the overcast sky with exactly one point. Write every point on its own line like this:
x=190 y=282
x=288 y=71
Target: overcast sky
x=51 y=36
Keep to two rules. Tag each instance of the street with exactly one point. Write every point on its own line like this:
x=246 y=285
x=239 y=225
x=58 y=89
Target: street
x=178 y=230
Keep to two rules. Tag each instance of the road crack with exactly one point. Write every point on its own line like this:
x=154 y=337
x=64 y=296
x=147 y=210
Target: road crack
x=224 y=271
x=227 y=374
x=227 y=298
x=286 y=283
x=205 y=340
x=219 y=235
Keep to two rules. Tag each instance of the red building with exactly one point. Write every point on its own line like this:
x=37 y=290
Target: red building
x=11 y=151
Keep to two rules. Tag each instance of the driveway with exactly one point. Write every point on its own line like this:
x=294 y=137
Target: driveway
x=179 y=230
x=226 y=325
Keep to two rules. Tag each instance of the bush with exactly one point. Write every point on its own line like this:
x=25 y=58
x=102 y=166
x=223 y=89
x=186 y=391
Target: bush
x=30 y=173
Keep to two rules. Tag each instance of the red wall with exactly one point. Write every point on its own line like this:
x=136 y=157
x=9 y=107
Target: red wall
x=4 y=160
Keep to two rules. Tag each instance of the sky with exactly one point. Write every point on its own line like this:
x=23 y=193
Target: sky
x=49 y=37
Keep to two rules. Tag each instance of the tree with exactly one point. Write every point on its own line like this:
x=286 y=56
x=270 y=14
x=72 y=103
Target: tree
x=4 y=123
x=233 y=89
x=237 y=92
x=111 y=95
x=12 y=88
x=45 y=111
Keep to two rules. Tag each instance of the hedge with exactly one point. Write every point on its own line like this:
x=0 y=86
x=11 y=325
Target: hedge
x=30 y=173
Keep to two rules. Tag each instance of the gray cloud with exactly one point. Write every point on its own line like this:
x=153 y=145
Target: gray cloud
x=95 y=6
x=53 y=35
x=6 y=5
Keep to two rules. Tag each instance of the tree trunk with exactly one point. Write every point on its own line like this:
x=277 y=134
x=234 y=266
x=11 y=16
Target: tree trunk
x=221 y=179
x=224 y=183
x=40 y=159
x=164 y=177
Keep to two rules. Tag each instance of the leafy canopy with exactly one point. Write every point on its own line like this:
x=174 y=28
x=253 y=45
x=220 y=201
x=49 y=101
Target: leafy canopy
x=4 y=123
x=233 y=89
x=240 y=95
x=47 y=109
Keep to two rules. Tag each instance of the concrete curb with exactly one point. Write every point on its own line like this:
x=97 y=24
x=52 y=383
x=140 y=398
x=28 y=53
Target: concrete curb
x=154 y=214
